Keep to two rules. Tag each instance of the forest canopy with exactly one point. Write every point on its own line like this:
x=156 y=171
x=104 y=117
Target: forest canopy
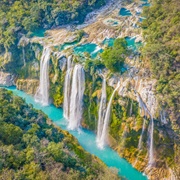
x=161 y=33
x=19 y=17
x=31 y=147
x=114 y=57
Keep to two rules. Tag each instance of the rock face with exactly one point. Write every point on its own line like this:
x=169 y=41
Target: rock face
x=27 y=85
x=6 y=79
x=127 y=117
x=62 y=63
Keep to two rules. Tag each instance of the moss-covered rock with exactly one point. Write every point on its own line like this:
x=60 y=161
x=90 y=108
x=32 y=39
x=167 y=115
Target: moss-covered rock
x=27 y=85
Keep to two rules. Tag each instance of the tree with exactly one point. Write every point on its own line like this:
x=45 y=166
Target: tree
x=114 y=57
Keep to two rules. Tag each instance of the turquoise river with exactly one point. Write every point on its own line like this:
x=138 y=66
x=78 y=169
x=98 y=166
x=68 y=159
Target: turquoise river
x=86 y=139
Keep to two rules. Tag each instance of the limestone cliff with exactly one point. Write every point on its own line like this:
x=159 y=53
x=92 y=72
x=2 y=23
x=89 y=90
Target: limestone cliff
x=27 y=85
x=134 y=105
x=6 y=79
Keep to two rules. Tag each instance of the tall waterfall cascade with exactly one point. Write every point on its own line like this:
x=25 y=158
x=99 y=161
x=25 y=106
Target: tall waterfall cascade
x=24 y=41
x=151 y=146
x=76 y=98
x=102 y=141
x=150 y=113
x=150 y=102
x=67 y=88
x=42 y=93
x=142 y=133
x=102 y=111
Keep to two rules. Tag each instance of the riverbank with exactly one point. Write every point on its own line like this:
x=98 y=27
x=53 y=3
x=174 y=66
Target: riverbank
x=86 y=139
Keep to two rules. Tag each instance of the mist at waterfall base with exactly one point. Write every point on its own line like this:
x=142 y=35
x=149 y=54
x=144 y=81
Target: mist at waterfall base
x=86 y=139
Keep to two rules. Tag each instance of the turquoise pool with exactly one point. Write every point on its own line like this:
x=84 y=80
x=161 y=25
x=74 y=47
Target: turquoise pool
x=90 y=48
x=124 y=12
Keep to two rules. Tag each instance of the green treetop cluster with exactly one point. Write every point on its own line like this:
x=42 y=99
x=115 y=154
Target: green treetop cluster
x=114 y=57
x=32 y=148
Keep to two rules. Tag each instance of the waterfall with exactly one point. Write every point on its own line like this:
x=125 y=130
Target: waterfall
x=144 y=108
x=67 y=89
x=151 y=153
x=140 y=139
x=106 y=120
x=142 y=105
x=150 y=103
x=102 y=109
x=42 y=93
x=76 y=99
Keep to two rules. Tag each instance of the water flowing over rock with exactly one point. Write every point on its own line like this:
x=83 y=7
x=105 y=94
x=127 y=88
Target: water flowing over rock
x=103 y=138
x=62 y=63
x=150 y=102
x=67 y=88
x=141 y=137
x=24 y=41
x=149 y=113
x=42 y=93
x=102 y=111
x=142 y=90
x=76 y=101
x=163 y=117
x=151 y=150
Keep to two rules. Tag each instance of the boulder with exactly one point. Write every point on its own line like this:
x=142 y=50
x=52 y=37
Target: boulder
x=6 y=79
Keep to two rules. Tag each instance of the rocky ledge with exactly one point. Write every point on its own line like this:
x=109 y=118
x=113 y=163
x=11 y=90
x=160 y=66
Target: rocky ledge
x=6 y=79
x=27 y=85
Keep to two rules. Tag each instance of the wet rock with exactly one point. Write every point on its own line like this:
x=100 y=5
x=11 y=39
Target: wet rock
x=62 y=63
x=24 y=41
x=138 y=39
x=27 y=85
x=72 y=39
x=6 y=79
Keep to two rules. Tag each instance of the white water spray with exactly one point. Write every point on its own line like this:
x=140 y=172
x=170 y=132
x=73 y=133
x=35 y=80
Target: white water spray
x=141 y=137
x=102 y=111
x=42 y=93
x=106 y=120
x=144 y=108
x=151 y=152
x=67 y=89
x=150 y=103
x=76 y=101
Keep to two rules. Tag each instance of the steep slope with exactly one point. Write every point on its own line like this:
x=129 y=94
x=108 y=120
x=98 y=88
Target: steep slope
x=162 y=52
x=144 y=123
x=19 y=18
x=31 y=147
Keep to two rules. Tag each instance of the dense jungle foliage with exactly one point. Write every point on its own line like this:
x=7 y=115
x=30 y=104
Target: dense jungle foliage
x=114 y=57
x=162 y=51
x=31 y=147
x=19 y=17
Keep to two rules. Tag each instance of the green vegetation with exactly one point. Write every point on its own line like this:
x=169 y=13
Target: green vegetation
x=161 y=33
x=19 y=17
x=31 y=147
x=93 y=84
x=114 y=57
